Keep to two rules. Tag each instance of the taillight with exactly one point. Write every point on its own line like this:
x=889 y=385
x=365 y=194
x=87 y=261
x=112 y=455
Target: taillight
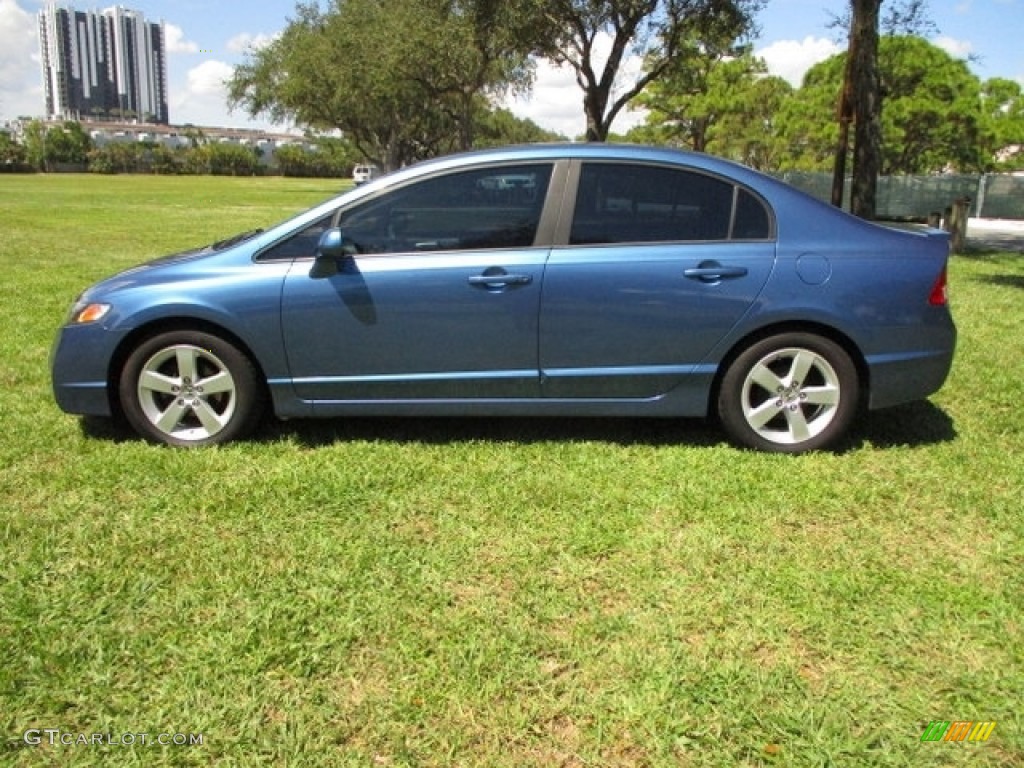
x=940 y=294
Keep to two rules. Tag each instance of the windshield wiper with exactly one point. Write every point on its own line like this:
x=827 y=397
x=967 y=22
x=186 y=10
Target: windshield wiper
x=235 y=240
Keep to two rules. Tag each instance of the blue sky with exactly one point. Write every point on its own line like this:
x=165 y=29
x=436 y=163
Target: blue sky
x=207 y=39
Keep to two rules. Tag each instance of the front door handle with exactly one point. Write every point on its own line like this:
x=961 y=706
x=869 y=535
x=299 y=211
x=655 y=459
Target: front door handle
x=498 y=280
x=713 y=272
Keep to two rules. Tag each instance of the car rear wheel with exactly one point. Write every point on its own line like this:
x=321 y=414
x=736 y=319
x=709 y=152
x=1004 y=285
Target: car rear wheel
x=188 y=389
x=789 y=393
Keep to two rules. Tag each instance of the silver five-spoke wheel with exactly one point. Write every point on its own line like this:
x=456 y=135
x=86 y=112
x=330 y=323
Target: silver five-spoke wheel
x=790 y=396
x=791 y=393
x=187 y=392
x=187 y=388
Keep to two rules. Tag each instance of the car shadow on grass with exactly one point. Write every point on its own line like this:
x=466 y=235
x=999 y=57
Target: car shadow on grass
x=1008 y=281
x=526 y=431
x=318 y=433
x=913 y=425
x=107 y=429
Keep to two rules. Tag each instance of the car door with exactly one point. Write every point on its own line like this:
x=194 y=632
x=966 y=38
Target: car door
x=438 y=301
x=659 y=263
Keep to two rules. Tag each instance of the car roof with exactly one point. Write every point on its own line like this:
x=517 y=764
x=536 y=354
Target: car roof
x=590 y=151
x=581 y=151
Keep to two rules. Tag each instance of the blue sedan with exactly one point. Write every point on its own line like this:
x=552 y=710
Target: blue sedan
x=573 y=280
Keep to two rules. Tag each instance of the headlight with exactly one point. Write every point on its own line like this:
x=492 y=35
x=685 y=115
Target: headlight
x=87 y=312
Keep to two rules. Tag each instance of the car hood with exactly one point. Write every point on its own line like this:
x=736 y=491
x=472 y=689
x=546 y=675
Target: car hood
x=220 y=246
x=163 y=269
x=172 y=258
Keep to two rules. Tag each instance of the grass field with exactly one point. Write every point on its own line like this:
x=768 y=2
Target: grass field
x=493 y=593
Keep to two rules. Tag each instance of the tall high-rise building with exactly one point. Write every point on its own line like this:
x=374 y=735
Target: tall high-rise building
x=103 y=64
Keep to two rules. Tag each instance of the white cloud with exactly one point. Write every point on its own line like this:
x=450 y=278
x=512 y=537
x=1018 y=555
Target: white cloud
x=21 y=91
x=210 y=77
x=556 y=101
x=959 y=49
x=176 y=42
x=790 y=59
x=203 y=101
x=246 y=42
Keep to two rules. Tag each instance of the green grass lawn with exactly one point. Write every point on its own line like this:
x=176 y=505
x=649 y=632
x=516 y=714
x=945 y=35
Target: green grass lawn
x=494 y=593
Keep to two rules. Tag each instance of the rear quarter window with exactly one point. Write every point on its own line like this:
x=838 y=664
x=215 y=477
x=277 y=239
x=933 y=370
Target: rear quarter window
x=752 y=222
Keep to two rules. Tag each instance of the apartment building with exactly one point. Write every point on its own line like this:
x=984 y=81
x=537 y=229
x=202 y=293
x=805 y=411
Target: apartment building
x=109 y=64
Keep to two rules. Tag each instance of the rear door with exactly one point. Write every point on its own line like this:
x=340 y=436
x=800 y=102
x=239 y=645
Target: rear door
x=660 y=263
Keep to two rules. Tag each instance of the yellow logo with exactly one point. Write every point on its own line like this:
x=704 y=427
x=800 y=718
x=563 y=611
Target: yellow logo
x=961 y=730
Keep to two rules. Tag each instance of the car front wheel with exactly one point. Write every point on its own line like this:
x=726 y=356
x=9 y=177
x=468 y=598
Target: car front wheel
x=190 y=388
x=789 y=393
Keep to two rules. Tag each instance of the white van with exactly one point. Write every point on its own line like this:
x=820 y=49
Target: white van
x=363 y=173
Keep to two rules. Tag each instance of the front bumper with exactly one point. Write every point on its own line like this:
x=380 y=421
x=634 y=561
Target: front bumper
x=79 y=368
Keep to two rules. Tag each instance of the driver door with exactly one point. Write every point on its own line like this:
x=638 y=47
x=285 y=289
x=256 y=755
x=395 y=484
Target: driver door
x=439 y=301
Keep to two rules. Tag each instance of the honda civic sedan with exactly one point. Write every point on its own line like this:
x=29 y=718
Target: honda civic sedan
x=572 y=280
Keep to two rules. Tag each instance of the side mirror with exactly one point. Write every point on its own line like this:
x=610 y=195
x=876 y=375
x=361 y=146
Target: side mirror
x=331 y=249
x=332 y=245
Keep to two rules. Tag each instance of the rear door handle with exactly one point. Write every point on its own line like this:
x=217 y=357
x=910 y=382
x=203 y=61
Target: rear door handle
x=711 y=272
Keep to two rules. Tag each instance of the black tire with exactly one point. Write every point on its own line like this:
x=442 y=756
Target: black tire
x=189 y=388
x=789 y=393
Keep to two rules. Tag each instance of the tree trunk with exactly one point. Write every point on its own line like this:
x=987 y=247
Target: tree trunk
x=867 y=105
x=466 y=133
x=839 y=166
x=844 y=113
x=595 y=99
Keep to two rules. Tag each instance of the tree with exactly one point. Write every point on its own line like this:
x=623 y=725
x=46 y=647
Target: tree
x=167 y=161
x=692 y=95
x=1002 y=125
x=932 y=118
x=901 y=17
x=12 y=154
x=747 y=131
x=34 y=140
x=117 y=157
x=860 y=100
x=721 y=102
x=47 y=145
x=226 y=159
x=474 y=48
x=658 y=30
x=400 y=78
x=194 y=136
x=807 y=120
x=319 y=157
x=499 y=127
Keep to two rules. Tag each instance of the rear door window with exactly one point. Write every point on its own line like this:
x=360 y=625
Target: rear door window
x=624 y=203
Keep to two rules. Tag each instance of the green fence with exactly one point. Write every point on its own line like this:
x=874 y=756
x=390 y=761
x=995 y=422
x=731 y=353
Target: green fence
x=1001 y=197
x=992 y=196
